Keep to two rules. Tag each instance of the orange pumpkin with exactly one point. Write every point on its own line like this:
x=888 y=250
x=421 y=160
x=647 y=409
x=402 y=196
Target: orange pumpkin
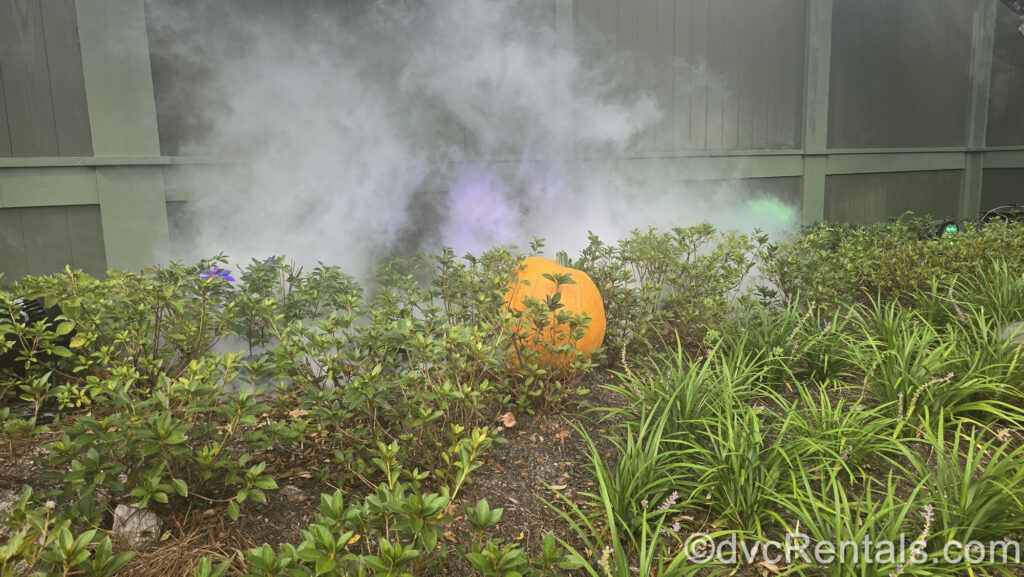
x=581 y=297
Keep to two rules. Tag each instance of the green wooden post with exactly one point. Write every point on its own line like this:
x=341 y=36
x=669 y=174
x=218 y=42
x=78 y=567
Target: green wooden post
x=816 y=83
x=983 y=33
x=122 y=114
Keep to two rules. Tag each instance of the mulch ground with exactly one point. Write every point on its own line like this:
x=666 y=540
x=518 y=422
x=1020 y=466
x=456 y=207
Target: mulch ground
x=540 y=449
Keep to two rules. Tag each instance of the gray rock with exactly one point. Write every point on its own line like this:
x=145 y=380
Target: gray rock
x=292 y=493
x=139 y=527
x=7 y=500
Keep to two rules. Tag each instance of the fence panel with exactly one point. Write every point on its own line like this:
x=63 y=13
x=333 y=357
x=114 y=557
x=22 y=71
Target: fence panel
x=866 y=198
x=900 y=74
x=1006 y=97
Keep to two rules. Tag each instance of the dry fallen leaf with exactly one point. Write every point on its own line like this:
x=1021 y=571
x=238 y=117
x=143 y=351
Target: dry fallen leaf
x=449 y=535
x=508 y=419
x=561 y=435
x=558 y=487
x=297 y=413
x=766 y=568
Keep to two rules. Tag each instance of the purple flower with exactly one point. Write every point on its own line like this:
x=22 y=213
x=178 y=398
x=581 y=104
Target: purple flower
x=846 y=454
x=670 y=501
x=928 y=514
x=216 y=272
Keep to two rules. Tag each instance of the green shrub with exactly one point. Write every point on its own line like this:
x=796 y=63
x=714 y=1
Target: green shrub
x=657 y=285
x=837 y=264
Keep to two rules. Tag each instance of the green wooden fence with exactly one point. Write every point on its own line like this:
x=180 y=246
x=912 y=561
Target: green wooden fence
x=860 y=109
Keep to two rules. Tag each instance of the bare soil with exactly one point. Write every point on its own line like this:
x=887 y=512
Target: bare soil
x=542 y=453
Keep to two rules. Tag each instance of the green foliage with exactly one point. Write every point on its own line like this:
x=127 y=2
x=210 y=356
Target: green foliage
x=795 y=342
x=831 y=431
x=919 y=370
x=746 y=462
x=834 y=264
x=981 y=481
x=880 y=382
x=42 y=543
x=611 y=550
x=829 y=512
x=396 y=530
x=659 y=284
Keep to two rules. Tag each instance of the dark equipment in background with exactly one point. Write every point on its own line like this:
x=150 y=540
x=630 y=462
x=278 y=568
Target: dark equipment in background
x=1006 y=213
x=30 y=311
x=1018 y=8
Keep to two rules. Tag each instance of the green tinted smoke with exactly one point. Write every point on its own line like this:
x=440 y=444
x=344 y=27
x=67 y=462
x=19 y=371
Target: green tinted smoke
x=773 y=212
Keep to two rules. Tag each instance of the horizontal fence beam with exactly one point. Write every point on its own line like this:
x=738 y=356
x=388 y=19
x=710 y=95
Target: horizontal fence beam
x=71 y=181
x=63 y=161
x=894 y=162
x=1004 y=159
x=56 y=181
x=65 y=186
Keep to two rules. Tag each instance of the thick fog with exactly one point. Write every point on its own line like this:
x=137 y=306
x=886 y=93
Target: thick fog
x=368 y=130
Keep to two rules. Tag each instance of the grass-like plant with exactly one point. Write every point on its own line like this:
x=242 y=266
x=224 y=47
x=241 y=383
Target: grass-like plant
x=649 y=468
x=833 y=521
x=832 y=430
x=997 y=288
x=651 y=547
x=746 y=463
x=798 y=341
x=686 y=391
x=976 y=481
x=918 y=370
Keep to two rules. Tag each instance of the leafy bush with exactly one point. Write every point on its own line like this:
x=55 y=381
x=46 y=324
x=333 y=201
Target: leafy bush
x=41 y=543
x=836 y=264
x=657 y=285
x=396 y=530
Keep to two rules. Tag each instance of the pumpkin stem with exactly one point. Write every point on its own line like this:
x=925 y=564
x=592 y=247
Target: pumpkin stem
x=562 y=258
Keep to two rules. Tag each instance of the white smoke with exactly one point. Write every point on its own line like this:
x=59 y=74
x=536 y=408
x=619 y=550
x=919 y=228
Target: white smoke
x=398 y=125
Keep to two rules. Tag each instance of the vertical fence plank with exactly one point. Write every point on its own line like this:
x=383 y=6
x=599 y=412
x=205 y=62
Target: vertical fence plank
x=85 y=231
x=730 y=47
x=26 y=79
x=796 y=56
x=650 y=69
x=717 y=46
x=1005 y=113
x=12 y=244
x=47 y=242
x=747 y=65
x=5 y=132
x=67 y=85
x=167 y=87
x=665 y=67
x=699 y=98
x=684 y=82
